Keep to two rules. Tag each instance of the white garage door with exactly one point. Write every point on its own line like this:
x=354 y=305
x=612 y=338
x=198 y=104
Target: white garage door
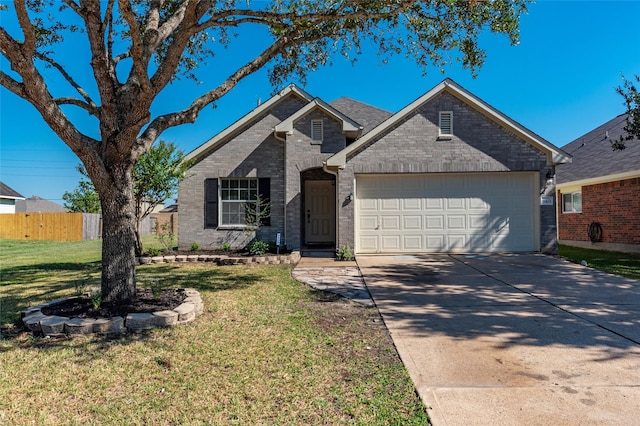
x=484 y=212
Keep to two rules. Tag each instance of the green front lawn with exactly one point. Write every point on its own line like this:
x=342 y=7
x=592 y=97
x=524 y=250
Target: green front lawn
x=267 y=350
x=623 y=264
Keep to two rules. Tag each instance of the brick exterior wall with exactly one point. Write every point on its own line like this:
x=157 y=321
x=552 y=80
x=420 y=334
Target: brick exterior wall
x=615 y=205
x=413 y=146
x=253 y=151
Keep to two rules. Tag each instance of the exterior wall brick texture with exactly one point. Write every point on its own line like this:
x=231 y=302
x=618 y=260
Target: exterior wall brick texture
x=615 y=205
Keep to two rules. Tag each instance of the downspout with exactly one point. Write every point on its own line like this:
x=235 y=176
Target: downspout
x=284 y=165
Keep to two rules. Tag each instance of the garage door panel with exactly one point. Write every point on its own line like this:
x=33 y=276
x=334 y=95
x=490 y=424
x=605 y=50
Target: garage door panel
x=368 y=204
x=455 y=203
x=412 y=223
x=412 y=204
x=477 y=222
x=434 y=222
x=368 y=223
x=390 y=243
x=456 y=221
x=390 y=223
x=434 y=204
x=435 y=242
x=412 y=243
x=446 y=213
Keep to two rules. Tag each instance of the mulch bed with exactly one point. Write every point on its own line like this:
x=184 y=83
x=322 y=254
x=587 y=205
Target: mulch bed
x=144 y=302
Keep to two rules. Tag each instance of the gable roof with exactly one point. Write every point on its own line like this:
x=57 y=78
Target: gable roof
x=555 y=155
x=368 y=116
x=349 y=127
x=38 y=204
x=594 y=158
x=204 y=149
x=7 y=192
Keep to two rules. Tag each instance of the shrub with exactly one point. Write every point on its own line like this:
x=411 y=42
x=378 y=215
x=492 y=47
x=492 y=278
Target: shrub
x=194 y=246
x=154 y=251
x=258 y=248
x=226 y=247
x=344 y=253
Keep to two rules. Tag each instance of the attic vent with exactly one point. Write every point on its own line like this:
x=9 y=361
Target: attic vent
x=316 y=130
x=446 y=123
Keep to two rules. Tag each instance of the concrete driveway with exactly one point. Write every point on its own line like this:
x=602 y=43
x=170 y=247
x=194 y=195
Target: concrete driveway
x=512 y=339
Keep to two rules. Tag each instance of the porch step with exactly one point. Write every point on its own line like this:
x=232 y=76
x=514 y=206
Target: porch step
x=317 y=253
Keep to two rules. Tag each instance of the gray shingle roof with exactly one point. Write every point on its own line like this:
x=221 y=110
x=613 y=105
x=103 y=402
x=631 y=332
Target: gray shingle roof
x=37 y=204
x=593 y=156
x=7 y=191
x=366 y=115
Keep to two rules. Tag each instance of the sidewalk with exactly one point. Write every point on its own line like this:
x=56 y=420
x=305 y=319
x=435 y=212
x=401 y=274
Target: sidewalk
x=327 y=274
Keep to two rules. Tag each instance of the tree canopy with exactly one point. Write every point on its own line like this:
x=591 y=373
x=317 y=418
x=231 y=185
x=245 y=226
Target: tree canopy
x=136 y=48
x=631 y=96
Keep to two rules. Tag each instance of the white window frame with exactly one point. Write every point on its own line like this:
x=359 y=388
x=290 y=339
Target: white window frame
x=232 y=195
x=317 y=125
x=441 y=115
x=572 y=201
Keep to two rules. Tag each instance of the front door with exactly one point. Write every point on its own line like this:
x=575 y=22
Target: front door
x=320 y=212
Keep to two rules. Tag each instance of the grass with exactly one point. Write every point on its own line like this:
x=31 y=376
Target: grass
x=267 y=350
x=623 y=264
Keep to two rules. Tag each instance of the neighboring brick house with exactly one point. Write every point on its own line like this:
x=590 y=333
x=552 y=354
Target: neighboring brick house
x=8 y=199
x=599 y=192
x=448 y=173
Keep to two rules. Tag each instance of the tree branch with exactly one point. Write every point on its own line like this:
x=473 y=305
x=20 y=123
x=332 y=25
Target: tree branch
x=11 y=84
x=90 y=105
x=189 y=115
x=29 y=44
x=137 y=50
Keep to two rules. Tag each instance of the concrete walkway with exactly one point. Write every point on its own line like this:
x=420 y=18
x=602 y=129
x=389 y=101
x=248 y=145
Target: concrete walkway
x=512 y=339
x=327 y=274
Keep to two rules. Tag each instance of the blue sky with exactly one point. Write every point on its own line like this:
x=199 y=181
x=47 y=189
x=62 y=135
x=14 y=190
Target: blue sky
x=559 y=82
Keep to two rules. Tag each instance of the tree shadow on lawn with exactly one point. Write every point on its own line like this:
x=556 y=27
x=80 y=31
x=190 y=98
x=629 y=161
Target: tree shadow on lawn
x=26 y=286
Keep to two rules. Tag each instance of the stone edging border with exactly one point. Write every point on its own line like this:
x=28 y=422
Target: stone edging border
x=223 y=260
x=52 y=325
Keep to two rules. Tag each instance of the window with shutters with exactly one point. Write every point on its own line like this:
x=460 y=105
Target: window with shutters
x=224 y=205
x=316 y=131
x=445 y=124
x=234 y=193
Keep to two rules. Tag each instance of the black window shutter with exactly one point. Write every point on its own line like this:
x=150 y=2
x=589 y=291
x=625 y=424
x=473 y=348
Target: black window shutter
x=264 y=189
x=211 y=203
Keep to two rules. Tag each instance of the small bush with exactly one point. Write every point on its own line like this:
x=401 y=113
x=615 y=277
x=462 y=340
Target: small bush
x=154 y=251
x=258 y=248
x=344 y=253
x=226 y=247
x=194 y=246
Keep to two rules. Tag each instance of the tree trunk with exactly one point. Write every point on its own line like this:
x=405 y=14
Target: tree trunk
x=118 y=240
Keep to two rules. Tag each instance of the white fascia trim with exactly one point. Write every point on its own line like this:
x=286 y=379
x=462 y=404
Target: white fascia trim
x=220 y=137
x=596 y=180
x=555 y=155
x=348 y=125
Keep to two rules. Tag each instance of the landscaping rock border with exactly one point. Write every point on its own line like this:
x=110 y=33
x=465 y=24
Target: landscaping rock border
x=224 y=260
x=51 y=325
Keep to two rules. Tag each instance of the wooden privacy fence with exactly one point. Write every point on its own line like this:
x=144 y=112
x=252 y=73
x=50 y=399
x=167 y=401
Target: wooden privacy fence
x=50 y=226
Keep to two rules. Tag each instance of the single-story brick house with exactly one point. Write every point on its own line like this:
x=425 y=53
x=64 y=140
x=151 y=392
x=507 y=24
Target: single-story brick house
x=447 y=173
x=599 y=192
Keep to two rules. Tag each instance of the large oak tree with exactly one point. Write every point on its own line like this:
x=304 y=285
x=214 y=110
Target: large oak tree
x=138 y=47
